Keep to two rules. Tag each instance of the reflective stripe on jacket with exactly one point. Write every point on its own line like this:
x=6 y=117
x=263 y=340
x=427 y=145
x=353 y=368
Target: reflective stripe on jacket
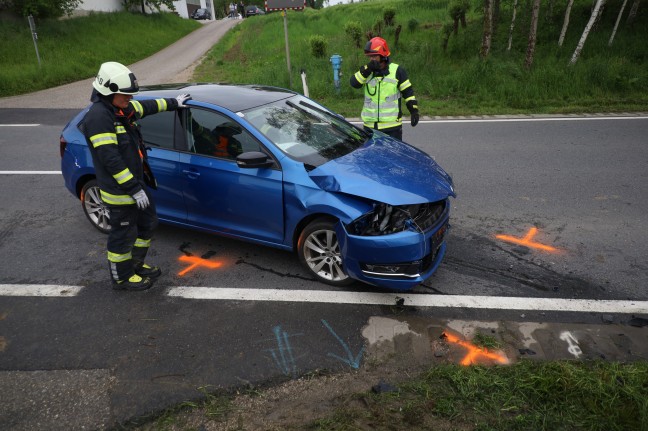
x=114 y=139
x=381 y=103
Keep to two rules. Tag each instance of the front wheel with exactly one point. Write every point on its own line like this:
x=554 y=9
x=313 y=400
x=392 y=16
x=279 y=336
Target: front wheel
x=319 y=251
x=94 y=208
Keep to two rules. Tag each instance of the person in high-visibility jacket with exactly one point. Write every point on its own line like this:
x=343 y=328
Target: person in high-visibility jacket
x=119 y=158
x=385 y=84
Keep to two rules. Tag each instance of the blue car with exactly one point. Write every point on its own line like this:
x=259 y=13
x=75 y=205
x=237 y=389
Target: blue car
x=270 y=166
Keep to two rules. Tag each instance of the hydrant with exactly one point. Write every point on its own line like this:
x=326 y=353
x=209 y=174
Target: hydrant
x=336 y=60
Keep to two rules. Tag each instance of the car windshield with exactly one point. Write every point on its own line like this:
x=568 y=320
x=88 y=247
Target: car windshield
x=306 y=131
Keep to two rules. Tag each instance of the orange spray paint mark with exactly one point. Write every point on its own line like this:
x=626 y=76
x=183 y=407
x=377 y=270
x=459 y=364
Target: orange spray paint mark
x=195 y=263
x=527 y=241
x=474 y=352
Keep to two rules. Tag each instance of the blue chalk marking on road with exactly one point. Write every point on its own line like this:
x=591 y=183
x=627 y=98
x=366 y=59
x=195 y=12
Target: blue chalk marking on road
x=350 y=360
x=285 y=360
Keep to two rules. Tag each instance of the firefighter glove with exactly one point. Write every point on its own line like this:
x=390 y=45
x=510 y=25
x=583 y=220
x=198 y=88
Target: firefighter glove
x=141 y=199
x=414 y=112
x=374 y=65
x=182 y=99
x=415 y=118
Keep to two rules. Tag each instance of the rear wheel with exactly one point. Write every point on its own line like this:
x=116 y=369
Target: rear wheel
x=94 y=208
x=319 y=251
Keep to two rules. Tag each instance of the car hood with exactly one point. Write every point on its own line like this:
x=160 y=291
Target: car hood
x=388 y=171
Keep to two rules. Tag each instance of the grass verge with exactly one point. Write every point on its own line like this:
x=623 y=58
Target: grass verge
x=528 y=395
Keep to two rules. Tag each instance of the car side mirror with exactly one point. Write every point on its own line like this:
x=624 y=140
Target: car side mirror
x=254 y=159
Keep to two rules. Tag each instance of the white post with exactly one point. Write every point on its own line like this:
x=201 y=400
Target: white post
x=304 y=83
x=32 y=26
x=285 y=19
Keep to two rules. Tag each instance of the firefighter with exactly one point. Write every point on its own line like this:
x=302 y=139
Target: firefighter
x=385 y=83
x=119 y=158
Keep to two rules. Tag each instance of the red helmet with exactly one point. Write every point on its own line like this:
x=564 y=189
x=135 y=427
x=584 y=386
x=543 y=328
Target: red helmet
x=377 y=46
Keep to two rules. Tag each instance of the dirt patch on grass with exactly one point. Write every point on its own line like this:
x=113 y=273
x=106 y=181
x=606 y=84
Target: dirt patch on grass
x=297 y=404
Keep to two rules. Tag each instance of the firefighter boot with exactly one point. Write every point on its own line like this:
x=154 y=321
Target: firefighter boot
x=139 y=253
x=146 y=270
x=124 y=278
x=135 y=282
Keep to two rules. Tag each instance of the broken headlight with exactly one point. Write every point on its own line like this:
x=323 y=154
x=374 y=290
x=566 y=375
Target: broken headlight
x=386 y=219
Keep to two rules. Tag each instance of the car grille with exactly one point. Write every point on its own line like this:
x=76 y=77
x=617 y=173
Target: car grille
x=427 y=216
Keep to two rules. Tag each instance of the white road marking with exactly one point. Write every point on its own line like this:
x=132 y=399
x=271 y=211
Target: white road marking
x=509 y=120
x=19 y=125
x=30 y=172
x=513 y=120
x=39 y=290
x=361 y=298
x=412 y=299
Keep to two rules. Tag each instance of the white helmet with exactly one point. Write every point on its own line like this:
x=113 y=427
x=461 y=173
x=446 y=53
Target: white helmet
x=114 y=78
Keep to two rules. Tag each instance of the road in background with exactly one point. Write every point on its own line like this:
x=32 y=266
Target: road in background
x=172 y=64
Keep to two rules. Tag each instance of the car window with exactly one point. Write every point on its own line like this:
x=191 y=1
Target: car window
x=157 y=130
x=213 y=134
x=306 y=131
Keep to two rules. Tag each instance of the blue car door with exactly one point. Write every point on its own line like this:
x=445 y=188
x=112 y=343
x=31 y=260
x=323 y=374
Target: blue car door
x=162 y=133
x=220 y=195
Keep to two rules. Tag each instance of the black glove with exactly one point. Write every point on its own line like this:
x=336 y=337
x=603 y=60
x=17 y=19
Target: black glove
x=415 y=118
x=369 y=68
x=373 y=65
x=414 y=112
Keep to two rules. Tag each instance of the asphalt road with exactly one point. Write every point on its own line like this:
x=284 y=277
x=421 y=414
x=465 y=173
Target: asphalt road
x=579 y=182
x=93 y=357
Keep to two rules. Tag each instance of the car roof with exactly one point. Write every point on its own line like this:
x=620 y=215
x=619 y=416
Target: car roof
x=235 y=97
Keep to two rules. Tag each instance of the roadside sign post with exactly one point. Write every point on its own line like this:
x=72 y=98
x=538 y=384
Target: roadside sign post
x=285 y=20
x=283 y=6
x=32 y=27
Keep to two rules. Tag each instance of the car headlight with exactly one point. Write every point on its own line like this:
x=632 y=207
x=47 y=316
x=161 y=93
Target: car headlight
x=386 y=219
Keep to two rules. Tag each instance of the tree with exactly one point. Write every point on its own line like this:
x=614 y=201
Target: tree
x=616 y=24
x=488 y=29
x=588 y=27
x=42 y=8
x=561 y=39
x=633 y=12
x=510 y=40
x=528 y=61
x=457 y=11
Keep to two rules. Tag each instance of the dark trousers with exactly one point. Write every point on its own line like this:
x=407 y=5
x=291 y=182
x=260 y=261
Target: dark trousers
x=394 y=132
x=129 y=224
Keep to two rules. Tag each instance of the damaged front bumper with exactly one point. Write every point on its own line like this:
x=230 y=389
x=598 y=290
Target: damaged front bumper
x=398 y=261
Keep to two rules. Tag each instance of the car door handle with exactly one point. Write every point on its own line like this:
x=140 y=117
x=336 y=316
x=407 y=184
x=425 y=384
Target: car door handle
x=191 y=173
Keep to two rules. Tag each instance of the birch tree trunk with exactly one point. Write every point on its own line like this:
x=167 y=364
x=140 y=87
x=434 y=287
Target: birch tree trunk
x=633 y=12
x=532 y=34
x=616 y=24
x=510 y=41
x=588 y=27
x=488 y=29
x=565 y=23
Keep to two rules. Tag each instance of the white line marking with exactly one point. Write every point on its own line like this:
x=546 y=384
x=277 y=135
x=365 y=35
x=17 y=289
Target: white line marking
x=512 y=120
x=19 y=125
x=30 y=172
x=412 y=299
x=39 y=290
x=509 y=120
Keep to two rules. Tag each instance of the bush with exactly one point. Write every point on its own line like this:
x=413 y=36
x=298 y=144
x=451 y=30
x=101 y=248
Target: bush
x=412 y=24
x=353 y=29
x=388 y=17
x=318 y=45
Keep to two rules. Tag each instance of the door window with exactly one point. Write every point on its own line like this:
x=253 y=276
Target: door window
x=213 y=134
